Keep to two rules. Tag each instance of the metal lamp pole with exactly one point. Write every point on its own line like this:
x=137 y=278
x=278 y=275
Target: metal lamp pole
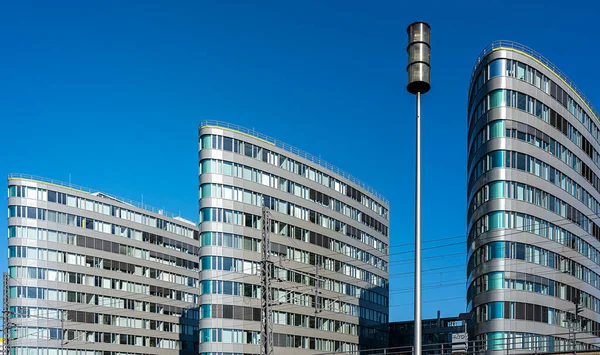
x=418 y=69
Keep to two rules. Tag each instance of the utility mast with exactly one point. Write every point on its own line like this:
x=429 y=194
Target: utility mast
x=5 y=317
x=266 y=316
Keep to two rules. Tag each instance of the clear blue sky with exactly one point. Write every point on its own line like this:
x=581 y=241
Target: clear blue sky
x=111 y=92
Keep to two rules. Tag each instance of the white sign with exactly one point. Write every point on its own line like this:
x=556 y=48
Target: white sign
x=459 y=342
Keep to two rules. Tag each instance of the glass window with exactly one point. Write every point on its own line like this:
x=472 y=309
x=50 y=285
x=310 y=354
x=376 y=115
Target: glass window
x=496 y=310
x=248 y=150
x=497 y=189
x=12 y=211
x=227 y=168
x=497 y=67
x=495 y=340
x=205 y=169
x=497 y=159
x=206 y=311
x=228 y=144
x=206 y=141
x=520 y=71
x=495 y=280
x=247 y=173
x=521 y=101
x=496 y=220
x=206 y=190
x=227 y=192
x=205 y=215
x=496 y=250
x=497 y=98
x=538 y=109
x=497 y=129
x=538 y=79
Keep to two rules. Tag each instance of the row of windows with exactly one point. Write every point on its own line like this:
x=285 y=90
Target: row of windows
x=276 y=159
x=23 y=312
x=38 y=273
x=511 y=68
x=233 y=288
x=538 y=138
x=225 y=311
x=524 y=162
x=522 y=192
x=532 y=283
x=225 y=263
x=251 y=174
x=528 y=341
x=235 y=336
x=521 y=71
x=90 y=261
x=41 y=333
x=257 y=199
x=535 y=137
x=253 y=221
x=24 y=350
x=276 y=182
x=253 y=244
x=104 y=227
x=533 y=313
x=536 y=226
x=99 y=207
x=91 y=299
x=100 y=244
x=103 y=282
x=532 y=254
x=96 y=281
x=306 y=257
x=515 y=99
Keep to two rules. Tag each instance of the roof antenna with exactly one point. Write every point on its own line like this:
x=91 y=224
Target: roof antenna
x=69 y=179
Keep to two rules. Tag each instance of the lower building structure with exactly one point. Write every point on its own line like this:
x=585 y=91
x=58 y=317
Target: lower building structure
x=445 y=335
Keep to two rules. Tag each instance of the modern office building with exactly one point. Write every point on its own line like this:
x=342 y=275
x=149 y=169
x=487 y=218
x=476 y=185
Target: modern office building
x=533 y=192
x=91 y=274
x=94 y=275
x=327 y=229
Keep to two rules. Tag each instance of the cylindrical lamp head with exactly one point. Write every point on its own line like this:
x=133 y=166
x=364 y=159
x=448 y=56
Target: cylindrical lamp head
x=419 y=34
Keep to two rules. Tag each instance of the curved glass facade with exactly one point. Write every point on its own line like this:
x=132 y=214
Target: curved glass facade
x=533 y=191
x=321 y=218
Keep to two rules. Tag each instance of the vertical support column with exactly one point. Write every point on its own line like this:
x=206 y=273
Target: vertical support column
x=266 y=317
x=419 y=35
x=5 y=316
x=418 y=234
x=64 y=315
x=317 y=284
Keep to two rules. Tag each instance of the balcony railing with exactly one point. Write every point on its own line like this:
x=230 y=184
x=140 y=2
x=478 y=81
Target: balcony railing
x=510 y=45
x=295 y=151
x=91 y=191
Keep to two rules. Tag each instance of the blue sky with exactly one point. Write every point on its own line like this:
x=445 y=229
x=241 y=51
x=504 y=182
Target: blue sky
x=112 y=92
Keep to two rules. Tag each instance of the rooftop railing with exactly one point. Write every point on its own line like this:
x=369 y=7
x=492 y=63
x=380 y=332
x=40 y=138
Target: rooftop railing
x=87 y=190
x=295 y=151
x=504 y=44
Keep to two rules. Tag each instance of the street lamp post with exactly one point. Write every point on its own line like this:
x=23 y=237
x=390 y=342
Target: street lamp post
x=418 y=83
